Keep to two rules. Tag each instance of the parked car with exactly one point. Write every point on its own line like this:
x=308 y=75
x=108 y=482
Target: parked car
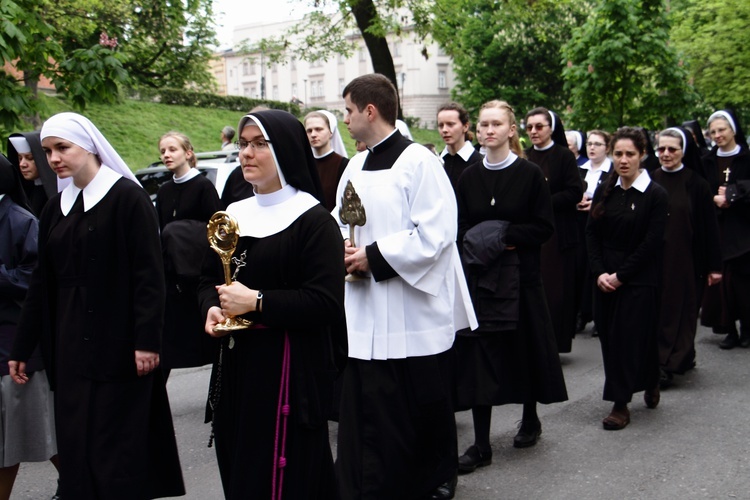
x=216 y=165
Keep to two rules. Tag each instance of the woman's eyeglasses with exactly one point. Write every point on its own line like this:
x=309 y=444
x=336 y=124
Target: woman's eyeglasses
x=671 y=149
x=595 y=144
x=537 y=126
x=255 y=145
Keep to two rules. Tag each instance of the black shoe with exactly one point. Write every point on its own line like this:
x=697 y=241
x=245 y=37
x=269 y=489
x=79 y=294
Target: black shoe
x=730 y=341
x=472 y=458
x=666 y=379
x=745 y=339
x=528 y=432
x=580 y=324
x=445 y=491
x=57 y=496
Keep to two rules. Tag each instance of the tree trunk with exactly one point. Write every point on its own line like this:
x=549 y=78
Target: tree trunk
x=31 y=82
x=382 y=61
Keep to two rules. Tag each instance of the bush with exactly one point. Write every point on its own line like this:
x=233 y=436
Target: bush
x=206 y=100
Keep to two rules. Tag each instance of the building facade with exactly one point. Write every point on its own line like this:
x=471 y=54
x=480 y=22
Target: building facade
x=424 y=83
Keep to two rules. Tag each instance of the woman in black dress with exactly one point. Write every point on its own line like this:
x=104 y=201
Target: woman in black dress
x=272 y=385
x=727 y=170
x=624 y=236
x=184 y=205
x=692 y=256
x=550 y=151
x=95 y=305
x=512 y=357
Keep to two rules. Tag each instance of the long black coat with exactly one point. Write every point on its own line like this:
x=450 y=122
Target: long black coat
x=112 y=284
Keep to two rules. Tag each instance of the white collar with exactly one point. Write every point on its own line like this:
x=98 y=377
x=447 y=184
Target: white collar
x=93 y=193
x=267 y=214
x=188 y=175
x=545 y=148
x=604 y=167
x=465 y=152
x=673 y=171
x=2 y=196
x=503 y=164
x=640 y=183
x=330 y=151
x=724 y=154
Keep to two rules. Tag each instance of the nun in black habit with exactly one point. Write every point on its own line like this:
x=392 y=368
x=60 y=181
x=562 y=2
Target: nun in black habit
x=692 y=256
x=39 y=181
x=95 y=305
x=727 y=170
x=272 y=385
x=550 y=151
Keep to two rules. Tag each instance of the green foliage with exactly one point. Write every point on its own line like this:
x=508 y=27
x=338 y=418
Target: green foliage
x=714 y=38
x=507 y=50
x=206 y=100
x=134 y=127
x=89 y=48
x=620 y=70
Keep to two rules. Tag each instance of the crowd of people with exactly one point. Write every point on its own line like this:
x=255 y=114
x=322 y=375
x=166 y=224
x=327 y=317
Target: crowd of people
x=467 y=273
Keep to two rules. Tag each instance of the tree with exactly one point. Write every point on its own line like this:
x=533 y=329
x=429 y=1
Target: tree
x=90 y=48
x=325 y=32
x=507 y=50
x=713 y=36
x=620 y=70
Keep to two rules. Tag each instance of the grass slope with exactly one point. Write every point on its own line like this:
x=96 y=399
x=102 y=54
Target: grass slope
x=134 y=127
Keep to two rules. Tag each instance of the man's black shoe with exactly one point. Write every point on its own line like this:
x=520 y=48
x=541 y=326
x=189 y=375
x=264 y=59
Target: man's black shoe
x=731 y=341
x=473 y=458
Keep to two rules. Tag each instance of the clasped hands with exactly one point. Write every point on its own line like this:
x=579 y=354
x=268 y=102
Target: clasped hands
x=608 y=283
x=721 y=198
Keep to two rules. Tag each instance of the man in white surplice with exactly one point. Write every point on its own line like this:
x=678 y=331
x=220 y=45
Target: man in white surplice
x=397 y=436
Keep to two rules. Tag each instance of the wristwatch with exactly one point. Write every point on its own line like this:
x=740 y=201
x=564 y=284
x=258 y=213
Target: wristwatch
x=259 y=300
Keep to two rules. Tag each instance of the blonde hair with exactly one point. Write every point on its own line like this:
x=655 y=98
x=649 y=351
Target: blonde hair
x=184 y=141
x=514 y=142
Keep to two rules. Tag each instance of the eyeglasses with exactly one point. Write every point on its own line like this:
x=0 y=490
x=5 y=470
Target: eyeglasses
x=537 y=126
x=255 y=145
x=671 y=149
x=595 y=144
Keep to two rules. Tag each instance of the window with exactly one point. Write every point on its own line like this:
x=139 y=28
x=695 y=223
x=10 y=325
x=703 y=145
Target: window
x=342 y=84
x=442 y=79
x=275 y=92
x=253 y=91
x=294 y=90
x=245 y=68
x=275 y=67
x=396 y=49
x=361 y=55
x=342 y=58
x=293 y=63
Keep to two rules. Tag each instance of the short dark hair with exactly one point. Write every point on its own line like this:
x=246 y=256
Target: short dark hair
x=539 y=111
x=377 y=90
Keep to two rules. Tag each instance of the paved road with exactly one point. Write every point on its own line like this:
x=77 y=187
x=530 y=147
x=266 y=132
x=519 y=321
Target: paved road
x=696 y=444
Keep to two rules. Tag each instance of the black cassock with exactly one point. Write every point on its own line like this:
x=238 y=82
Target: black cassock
x=96 y=297
x=627 y=240
x=559 y=253
x=300 y=271
x=184 y=210
x=691 y=251
x=521 y=365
